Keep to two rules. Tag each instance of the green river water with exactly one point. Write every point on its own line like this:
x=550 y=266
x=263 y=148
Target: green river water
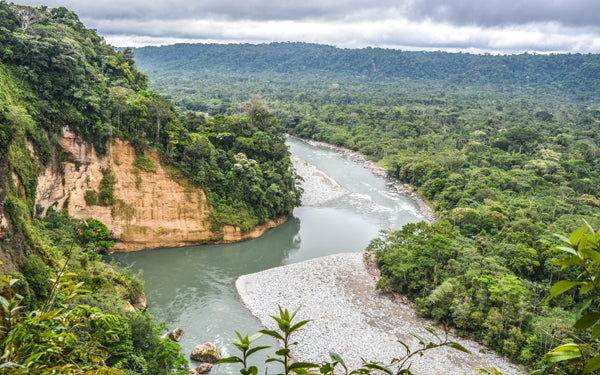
x=193 y=287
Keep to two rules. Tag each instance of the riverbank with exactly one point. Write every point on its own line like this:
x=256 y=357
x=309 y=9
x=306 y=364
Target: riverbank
x=394 y=184
x=351 y=318
x=318 y=187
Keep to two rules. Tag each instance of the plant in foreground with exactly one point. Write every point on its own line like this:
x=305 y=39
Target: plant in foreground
x=582 y=251
x=398 y=366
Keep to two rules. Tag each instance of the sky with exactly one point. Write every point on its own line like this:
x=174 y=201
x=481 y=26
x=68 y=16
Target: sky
x=476 y=26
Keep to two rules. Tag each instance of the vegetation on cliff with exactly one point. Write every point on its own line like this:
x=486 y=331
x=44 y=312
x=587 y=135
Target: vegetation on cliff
x=505 y=149
x=62 y=310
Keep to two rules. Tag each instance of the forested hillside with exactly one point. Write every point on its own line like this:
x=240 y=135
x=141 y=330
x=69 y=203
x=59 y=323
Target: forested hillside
x=62 y=310
x=504 y=148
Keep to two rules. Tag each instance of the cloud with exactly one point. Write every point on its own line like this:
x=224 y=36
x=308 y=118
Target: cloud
x=466 y=25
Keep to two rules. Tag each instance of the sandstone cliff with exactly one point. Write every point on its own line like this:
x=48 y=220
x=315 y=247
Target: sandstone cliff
x=151 y=209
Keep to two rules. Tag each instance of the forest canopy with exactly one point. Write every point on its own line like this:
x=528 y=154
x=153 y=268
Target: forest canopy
x=505 y=149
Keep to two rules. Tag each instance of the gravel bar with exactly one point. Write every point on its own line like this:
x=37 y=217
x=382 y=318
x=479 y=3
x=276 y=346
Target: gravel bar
x=351 y=318
x=317 y=186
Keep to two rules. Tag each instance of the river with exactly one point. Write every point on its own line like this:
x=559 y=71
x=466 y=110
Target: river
x=193 y=287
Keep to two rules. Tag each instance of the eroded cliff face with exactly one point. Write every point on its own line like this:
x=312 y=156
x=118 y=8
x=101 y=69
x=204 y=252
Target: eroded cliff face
x=152 y=209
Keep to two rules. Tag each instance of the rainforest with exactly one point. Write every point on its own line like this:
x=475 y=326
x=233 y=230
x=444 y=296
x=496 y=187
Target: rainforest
x=503 y=148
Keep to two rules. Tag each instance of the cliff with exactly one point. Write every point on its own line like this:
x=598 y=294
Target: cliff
x=152 y=207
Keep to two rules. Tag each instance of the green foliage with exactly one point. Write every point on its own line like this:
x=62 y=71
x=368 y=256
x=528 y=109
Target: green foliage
x=106 y=195
x=45 y=340
x=582 y=252
x=145 y=164
x=286 y=327
x=95 y=236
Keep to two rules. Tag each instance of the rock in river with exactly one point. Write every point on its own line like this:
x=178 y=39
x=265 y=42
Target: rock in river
x=202 y=369
x=206 y=352
x=176 y=334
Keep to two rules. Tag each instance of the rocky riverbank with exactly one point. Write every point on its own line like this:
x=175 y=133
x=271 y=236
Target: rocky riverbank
x=351 y=318
x=393 y=183
x=317 y=187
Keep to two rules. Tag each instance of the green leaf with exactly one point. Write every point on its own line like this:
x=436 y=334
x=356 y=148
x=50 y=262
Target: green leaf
x=587 y=320
x=256 y=349
x=269 y=360
x=302 y=365
x=592 y=254
x=457 y=346
x=374 y=366
x=326 y=368
x=421 y=341
x=298 y=325
x=271 y=333
x=592 y=365
x=575 y=237
x=406 y=346
x=568 y=261
x=283 y=352
x=561 y=287
x=569 y=250
x=432 y=331
x=563 y=353
x=595 y=332
x=254 y=337
x=337 y=358
x=586 y=287
x=230 y=360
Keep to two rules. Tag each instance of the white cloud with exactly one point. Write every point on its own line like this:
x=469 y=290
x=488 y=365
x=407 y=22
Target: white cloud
x=497 y=26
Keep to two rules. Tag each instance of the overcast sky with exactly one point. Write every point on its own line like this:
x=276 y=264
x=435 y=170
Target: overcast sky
x=496 y=26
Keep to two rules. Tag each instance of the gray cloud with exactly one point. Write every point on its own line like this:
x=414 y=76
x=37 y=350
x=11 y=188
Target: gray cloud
x=504 y=26
x=507 y=12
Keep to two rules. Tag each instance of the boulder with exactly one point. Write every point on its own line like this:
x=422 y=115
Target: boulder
x=176 y=334
x=206 y=352
x=202 y=369
x=140 y=302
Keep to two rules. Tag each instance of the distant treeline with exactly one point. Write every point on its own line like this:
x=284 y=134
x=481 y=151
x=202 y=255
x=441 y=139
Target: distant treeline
x=571 y=74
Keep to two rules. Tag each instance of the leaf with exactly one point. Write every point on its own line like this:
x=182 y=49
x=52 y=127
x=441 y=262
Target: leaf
x=252 y=370
x=592 y=365
x=421 y=341
x=457 y=346
x=587 y=320
x=374 y=366
x=595 y=332
x=406 y=346
x=337 y=358
x=569 y=250
x=283 y=352
x=563 y=353
x=271 y=333
x=302 y=365
x=255 y=349
x=298 y=325
x=230 y=360
x=575 y=237
x=586 y=287
x=561 y=287
x=254 y=337
x=432 y=331
x=592 y=254
x=568 y=261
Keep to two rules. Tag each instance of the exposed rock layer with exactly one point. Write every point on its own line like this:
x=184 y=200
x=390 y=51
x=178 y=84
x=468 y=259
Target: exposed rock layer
x=152 y=208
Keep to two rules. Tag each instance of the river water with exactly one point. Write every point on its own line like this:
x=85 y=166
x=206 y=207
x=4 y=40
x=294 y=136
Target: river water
x=193 y=287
